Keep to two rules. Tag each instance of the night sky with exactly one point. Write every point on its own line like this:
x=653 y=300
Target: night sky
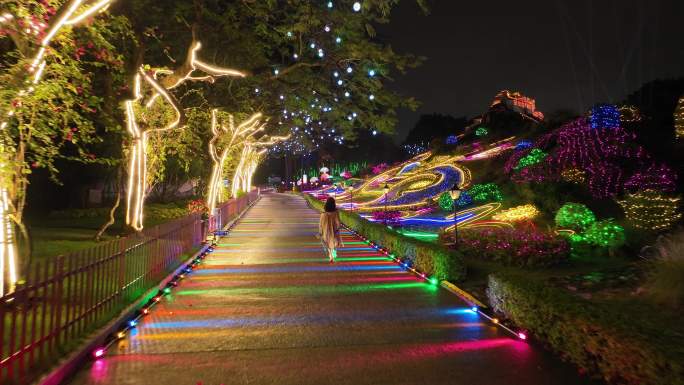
x=564 y=54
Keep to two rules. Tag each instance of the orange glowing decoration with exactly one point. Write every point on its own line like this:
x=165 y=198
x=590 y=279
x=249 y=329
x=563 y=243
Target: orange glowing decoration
x=225 y=141
x=137 y=111
x=71 y=13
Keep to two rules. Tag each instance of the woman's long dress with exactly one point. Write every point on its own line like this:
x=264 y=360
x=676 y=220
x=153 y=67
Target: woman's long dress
x=329 y=228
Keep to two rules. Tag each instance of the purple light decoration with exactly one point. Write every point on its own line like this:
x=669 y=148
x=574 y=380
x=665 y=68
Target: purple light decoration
x=605 y=179
x=660 y=178
x=607 y=155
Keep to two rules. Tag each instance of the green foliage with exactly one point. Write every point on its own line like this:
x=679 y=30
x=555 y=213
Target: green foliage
x=445 y=201
x=486 y=192
x=535 y=156
x=618 y=346
x=575 y=216
x=429 y=258
x=605 y=233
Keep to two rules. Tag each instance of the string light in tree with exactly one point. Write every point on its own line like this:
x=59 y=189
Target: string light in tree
x=651 y=210
x=357 y=6
x=679 y=118
x=70 y=13
x=139 y=107
x=224 y=141
x=481 y=131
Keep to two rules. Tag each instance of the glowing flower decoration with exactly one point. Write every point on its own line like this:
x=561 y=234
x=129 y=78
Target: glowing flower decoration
x=517 y=214
x=481 y=131
x=324 y=170
x=346 y=174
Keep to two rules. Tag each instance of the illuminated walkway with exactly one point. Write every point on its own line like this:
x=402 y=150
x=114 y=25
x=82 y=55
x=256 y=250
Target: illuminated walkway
x=267 y=308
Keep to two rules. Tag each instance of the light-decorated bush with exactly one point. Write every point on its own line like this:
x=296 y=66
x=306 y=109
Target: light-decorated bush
x=605 y=233
x=575 y=216
x=446 y=203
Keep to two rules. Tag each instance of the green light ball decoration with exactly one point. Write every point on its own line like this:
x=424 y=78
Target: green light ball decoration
x=535 y=156
x=575 y=216
x=605 y=233
x=486 y=192
x=445 y=201
x=481 y=131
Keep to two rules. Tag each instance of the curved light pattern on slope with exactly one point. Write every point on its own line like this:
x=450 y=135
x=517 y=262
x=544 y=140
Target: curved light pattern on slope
x=409 y=167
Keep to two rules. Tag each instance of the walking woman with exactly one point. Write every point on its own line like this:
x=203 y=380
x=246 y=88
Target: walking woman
x=329 y=229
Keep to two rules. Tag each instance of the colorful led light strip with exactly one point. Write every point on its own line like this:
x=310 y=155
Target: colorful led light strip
x=182 y=272
x=522 y=335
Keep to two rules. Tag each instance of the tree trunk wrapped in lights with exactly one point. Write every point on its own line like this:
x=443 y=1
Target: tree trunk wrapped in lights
x=225 y=141
x=144 y=117
x=252 y=154
x=679 y=118
x=32 y=39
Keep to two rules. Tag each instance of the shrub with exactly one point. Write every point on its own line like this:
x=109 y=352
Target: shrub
x=604 y=341
x=446 y=203
x=515 y=247
x=605 y=233
x=575 y=216
x=485 y=192
x=429 y=258
x=666 y=281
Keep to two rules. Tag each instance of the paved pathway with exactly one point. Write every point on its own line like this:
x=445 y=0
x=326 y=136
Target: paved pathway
x=267 y=308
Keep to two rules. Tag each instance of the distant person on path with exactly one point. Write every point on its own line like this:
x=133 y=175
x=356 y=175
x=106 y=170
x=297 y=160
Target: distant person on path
x=329 y=229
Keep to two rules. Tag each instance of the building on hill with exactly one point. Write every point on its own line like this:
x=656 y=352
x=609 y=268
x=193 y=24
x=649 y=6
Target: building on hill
x=507 y=100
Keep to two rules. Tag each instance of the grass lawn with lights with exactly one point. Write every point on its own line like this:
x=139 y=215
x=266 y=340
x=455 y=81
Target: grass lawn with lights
x=66 y=231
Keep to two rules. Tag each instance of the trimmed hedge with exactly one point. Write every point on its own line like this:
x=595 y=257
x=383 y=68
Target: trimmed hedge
x=601 y=340
x=427 y=257
x=515 y=247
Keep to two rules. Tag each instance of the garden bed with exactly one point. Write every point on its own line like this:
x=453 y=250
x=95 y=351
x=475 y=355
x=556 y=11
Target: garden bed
x=628 y=342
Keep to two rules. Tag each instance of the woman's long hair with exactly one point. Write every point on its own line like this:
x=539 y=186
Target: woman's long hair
x=330 y=205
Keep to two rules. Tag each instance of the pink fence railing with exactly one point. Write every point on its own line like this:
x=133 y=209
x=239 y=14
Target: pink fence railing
x=68 y=296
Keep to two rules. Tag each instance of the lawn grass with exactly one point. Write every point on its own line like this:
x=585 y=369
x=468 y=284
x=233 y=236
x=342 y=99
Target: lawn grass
x=67 y=231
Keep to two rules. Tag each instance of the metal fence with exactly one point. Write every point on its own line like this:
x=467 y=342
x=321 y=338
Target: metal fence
x=68 y=296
